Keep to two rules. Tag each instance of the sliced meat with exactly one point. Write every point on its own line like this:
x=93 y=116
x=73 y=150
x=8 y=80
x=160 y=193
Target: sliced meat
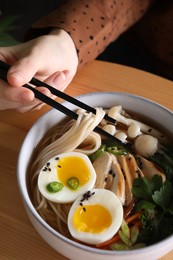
x=130 y=171
x=148 y=168
x=118 y=183
x=102 y=166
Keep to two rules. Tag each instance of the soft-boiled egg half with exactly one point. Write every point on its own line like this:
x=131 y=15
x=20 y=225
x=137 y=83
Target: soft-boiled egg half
x=64 y=177
x=95 y=216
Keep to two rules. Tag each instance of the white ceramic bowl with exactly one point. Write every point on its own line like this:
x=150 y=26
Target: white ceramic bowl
x=65 y=246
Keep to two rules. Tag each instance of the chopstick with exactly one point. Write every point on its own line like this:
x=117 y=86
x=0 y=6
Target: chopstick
x=60 y=94
x=3 y=75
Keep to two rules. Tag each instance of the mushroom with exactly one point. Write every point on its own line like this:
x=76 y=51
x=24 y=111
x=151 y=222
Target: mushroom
x=111 y=129
x=116 y=112
x=146 y=145
x=148 y=168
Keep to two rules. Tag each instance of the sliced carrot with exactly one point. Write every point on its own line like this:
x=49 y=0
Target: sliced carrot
x=133 y=217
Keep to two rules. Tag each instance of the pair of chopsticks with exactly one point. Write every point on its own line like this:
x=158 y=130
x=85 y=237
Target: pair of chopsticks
x=4 y=67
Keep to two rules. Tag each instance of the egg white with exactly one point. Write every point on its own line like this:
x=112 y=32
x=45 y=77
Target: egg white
x=111 y=202
x=66 y=195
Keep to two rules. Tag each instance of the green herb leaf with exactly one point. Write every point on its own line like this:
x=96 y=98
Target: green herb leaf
x=142 y=188
x=162 y=196
x=164 y=160
x=144 y=204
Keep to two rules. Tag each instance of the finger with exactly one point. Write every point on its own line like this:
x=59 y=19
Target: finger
x=36 y=104
x=22 y=71
x=20 y=94
x=59 y=80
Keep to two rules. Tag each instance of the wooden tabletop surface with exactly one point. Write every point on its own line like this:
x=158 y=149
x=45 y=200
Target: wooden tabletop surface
x=18 y=238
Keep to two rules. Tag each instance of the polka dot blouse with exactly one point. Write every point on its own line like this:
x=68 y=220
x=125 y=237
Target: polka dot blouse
x=94 y=24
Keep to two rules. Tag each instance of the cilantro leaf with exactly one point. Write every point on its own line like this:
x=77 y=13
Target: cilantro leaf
x=162 y=197
x=155 y=199
x=144 y=204
x=164 y=162
x=144 y=187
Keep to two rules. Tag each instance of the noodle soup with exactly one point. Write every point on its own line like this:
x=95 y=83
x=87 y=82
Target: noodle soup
x=128 y=199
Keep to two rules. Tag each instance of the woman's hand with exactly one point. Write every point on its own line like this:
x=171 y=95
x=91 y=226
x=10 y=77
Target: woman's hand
x=51 y=58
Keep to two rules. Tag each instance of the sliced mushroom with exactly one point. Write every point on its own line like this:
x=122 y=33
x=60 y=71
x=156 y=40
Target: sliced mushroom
x=148 y=168
x=118 y=183
x=102 y=166
x=129 y=168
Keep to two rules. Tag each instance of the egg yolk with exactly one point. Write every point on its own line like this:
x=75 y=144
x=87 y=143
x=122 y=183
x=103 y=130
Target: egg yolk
x=73 y=167
x=92 y=219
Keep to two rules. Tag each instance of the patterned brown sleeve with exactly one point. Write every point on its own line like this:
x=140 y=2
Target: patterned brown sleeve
x=94 y=24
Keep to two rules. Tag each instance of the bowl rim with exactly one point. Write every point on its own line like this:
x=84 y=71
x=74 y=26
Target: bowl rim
x=29 y=205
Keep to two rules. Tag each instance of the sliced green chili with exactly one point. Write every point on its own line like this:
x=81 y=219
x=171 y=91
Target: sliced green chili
x=98 y=152
x=55 y=186
x=116 y=150
x=73 y=183
x=111 y=147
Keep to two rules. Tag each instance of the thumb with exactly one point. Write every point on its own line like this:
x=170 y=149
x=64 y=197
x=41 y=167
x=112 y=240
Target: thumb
x=21 y=72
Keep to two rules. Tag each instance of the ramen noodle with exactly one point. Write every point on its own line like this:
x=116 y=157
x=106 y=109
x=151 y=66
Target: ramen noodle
x=82 y=184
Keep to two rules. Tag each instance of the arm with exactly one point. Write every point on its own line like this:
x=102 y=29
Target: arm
x=94 y=24
x=83 y=27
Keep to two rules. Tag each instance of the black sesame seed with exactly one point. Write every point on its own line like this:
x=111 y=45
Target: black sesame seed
x=138 y=172
x=110 y=172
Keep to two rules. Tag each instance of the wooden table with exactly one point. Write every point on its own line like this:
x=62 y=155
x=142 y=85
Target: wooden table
x=18 y=238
